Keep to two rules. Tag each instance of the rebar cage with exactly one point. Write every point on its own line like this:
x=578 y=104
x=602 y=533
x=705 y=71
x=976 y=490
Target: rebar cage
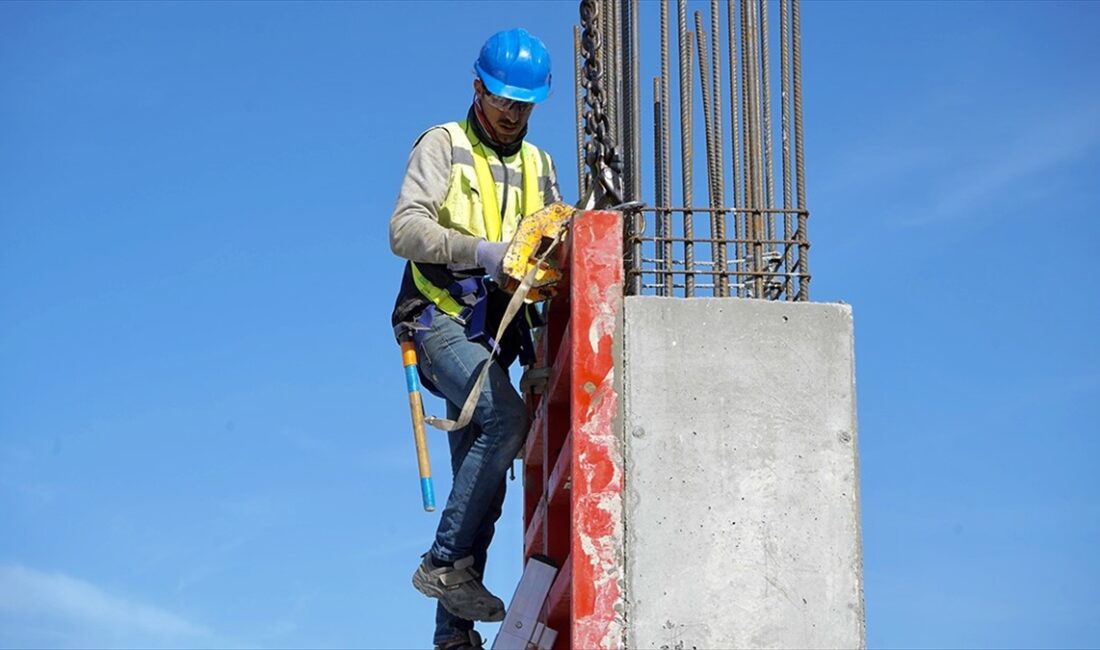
x=753 y=247
x=665 y=257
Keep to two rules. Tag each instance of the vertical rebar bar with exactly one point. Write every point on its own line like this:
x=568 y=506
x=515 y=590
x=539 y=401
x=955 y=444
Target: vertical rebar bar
x=722 y=279
x=706 y=85
x=766 y=132
x=685 y=145
x=752 y=142
x=758 y=217
x=708 y=115
x=626 y=114
x=635 y=98
x=615 y=16
x=607 y=56
x=582 y=184
x=666 y=153
x=630 y=135
x=785 y=117
x=658 y=179
x=735 y=135
x=747 y=256
x=748 y=181
x=800 y=161
x=635 y=55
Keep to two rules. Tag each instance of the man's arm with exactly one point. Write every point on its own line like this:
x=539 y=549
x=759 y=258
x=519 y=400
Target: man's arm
x=551 y=193
x=415 y=232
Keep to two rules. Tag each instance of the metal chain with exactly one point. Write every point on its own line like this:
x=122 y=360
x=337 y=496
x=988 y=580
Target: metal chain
x=600 y=152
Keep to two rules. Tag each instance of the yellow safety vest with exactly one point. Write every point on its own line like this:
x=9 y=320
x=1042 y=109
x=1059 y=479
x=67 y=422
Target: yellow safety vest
x=472 y=206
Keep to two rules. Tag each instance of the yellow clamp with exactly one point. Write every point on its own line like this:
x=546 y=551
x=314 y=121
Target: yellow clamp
x=536 y=233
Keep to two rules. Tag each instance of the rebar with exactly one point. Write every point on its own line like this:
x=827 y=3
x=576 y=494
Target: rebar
x=766 y=109
x=628 y=114
x=735 y=133
x=800 y=161
x=719 y=166
x=748 y=178
x=612 y=64
x=630 y=119
x=686 y=159
x=760 y=256
x=752 y=144
x=708 y=115
x=582 y=184
x=658 y=176
x=706 y=83
x=604 y=56
x=666 y=143
x=785 y=118
x=632 y=78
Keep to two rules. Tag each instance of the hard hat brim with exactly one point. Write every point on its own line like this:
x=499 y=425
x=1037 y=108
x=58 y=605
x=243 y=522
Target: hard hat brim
x=501 y=89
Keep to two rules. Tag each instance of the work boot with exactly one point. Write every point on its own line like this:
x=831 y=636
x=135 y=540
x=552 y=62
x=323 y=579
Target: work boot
x=458 y=589
x=471 y=642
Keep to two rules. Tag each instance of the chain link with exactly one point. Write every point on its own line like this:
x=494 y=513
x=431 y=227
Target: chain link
x=600 y=152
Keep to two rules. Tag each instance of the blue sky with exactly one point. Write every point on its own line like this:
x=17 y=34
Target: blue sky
x=203 y=432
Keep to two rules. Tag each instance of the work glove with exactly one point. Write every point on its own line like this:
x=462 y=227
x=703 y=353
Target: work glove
x=490 y=256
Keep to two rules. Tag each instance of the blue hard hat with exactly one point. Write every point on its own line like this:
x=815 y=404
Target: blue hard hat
x=515 y=65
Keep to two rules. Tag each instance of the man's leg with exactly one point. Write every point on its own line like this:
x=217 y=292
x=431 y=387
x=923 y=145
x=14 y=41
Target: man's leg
x=448 y=627
x=452 y=363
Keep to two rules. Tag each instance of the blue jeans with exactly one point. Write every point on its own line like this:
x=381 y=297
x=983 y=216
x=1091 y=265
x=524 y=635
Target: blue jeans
x=481 y=453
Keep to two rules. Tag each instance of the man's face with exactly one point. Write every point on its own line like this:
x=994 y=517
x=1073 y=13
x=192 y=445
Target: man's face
x=507 y=117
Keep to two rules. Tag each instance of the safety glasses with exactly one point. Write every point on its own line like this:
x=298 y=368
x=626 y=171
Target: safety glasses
x=505 y=105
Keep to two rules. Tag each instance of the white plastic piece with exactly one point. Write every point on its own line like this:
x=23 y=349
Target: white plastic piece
x=521 y=628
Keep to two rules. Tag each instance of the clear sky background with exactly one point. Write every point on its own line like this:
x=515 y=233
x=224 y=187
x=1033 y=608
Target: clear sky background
x=204 y=437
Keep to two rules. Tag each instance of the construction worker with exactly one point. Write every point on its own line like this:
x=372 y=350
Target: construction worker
x=466 y=187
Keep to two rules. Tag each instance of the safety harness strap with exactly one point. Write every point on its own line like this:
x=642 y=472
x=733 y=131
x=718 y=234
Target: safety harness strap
x=441 y=297
x=514 y=306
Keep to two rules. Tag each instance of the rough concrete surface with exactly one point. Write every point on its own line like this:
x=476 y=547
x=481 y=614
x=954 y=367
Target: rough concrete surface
x=742 y=486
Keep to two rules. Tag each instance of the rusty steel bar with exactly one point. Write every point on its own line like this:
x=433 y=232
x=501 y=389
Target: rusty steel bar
x=689 y=217
x=625 y=115
x=708 y=115
x=633 y=58
x=719 y=165
x=685 y=141
x=768 y=136
x=615 y=20
x=605 y=60
x=735 y=133
x=785 y=119
x=748 y=132
x=607 y=55
x=752 y=72
x=800 y=161
x=666 y=147
x=630 y=117
x=622 y=55
x=747 y=180
x=582 y=185
x=658 y=176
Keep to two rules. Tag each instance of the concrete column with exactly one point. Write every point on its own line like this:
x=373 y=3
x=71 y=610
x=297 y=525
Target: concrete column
x=741 y=507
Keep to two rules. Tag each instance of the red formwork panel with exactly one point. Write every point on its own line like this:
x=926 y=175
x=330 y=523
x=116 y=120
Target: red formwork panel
x=573 y=486
x=597 y=478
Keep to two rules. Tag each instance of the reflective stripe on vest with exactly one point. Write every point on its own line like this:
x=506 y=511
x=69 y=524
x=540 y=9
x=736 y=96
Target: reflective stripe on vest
x=472 y=186
x=441 y=297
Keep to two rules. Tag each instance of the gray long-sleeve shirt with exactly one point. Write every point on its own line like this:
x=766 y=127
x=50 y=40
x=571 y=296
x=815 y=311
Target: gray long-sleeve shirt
x=415 y=231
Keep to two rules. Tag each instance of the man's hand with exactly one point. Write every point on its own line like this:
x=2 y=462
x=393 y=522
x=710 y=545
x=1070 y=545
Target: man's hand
x=490 y=256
